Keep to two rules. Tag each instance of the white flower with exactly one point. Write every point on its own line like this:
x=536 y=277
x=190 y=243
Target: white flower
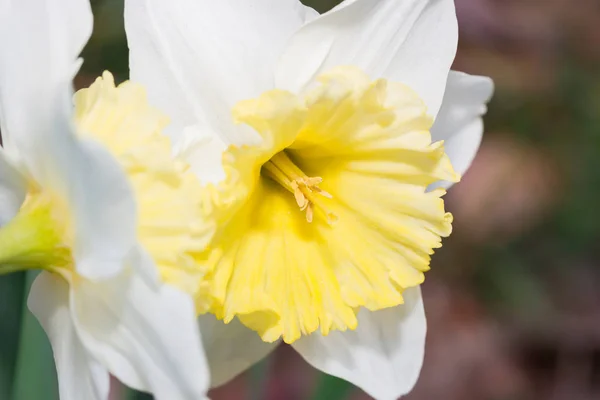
x=320 y=190
x=86 y=193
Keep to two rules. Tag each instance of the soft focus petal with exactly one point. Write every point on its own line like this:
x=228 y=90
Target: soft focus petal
x=37 y=115
x=198 y=58
x=79 y=376
x=230 y=348
x=104 y=207
x=34 y=34
x=147 y=337
x=13 y=188
x=459 y=122
x=409 y=41
x=383 y=356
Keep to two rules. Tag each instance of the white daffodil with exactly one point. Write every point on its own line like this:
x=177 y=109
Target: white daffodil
x=91 y=195
x=320 y=140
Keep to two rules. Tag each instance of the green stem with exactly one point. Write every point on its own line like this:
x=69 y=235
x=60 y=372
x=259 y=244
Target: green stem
x=12 y=288
x=35 y=376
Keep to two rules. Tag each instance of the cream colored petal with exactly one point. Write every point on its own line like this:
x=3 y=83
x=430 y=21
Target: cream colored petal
x=146 y=336
x=13 y=188
x=408 y=41
x=230 y=348
x=36 y=110
x=383 y=356
x=80 y=376
x=199 y=58
x=40 y=41
x=459 y=123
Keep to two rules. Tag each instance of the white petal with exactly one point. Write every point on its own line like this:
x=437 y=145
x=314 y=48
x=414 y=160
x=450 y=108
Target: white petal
x=104 y=208
x=13 y=188
x=40 y=41
x=383 y=356
x=199 y=57
x=203 y=150
x=307 y=14
x=459 y=122
x=230 y=348
x=146 y=337
x=410 y=41
x=79 y=375
x=98 y=194
x=39 y=44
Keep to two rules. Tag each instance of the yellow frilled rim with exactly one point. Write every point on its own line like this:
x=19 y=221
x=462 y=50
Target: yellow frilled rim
x=367 y=145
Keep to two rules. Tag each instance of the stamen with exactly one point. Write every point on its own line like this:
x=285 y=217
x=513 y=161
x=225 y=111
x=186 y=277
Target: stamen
x=309 y=213
x=305 y=189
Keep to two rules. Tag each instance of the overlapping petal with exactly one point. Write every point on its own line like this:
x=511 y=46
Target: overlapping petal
x=410 y=41
x=197 y=65
x=100 y=310
x=459 y=123
x=104 y=212
x=36 y=33
x=230 y=349
x=146 y=336
x=199 y=58
x=79 y=375
x=13 y=188
x=383 y=356
x=37 y=119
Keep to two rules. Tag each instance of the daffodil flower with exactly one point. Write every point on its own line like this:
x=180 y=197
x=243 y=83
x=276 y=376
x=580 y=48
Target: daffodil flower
x=91 y=195
x=324 y=143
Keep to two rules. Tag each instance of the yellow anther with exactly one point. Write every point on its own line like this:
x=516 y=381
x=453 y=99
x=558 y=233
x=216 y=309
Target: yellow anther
x=282 y=170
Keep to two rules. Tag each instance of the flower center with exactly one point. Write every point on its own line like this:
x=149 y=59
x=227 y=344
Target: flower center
x=367 y=145
x=305 y=189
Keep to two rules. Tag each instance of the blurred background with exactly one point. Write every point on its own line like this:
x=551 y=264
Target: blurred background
x=513 y=298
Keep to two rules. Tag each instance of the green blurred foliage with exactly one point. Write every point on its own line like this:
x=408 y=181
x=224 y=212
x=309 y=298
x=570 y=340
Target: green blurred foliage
x=565 y=124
